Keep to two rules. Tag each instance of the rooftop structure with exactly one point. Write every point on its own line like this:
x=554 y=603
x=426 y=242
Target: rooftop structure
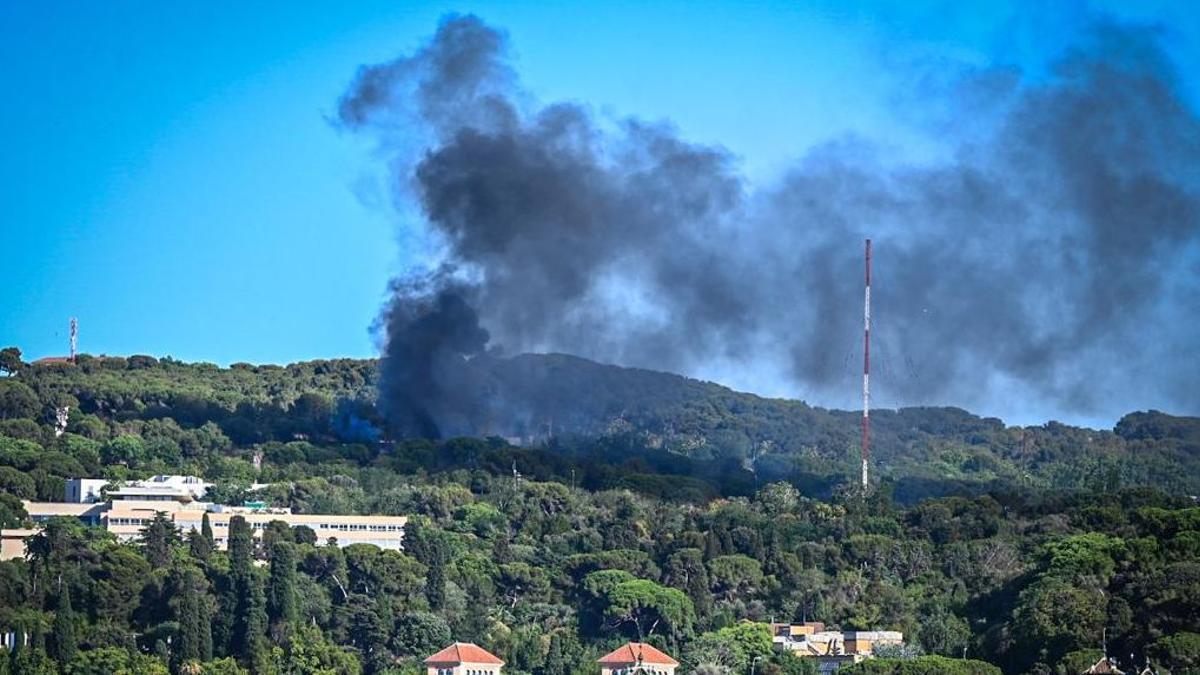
x=464 y=658
x=795 y=630
x=637 y=658
x=155 y=488
x=85 y=490
x=162 y=488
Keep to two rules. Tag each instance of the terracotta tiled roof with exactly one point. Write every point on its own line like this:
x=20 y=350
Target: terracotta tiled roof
x=628 y=654
x=1105 y=667
x=464 y=652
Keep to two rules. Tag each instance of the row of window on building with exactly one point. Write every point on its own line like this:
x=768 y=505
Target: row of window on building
x=127 y=521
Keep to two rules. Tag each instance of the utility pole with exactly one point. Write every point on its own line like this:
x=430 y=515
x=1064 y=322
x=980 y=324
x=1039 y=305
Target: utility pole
x=754 y=661
x=866 y=392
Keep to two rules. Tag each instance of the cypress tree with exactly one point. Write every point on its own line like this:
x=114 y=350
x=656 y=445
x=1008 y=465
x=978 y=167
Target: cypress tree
x=222 y=619
x=250 y=619
x=699 y=592
x=241 y=547
x=282 y=605
x=556 y=657
x=195 y=631
x=206 y=531
x=159 y=537
x=712 y=546
x=255 y=613
x=198 y=546
x=64 y=627
x=162 y=651
x=435 y=584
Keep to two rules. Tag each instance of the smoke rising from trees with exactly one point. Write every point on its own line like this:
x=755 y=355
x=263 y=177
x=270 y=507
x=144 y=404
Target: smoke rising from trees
x=1047 y=266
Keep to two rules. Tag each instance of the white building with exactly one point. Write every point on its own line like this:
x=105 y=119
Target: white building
x=85 y=490
x=126 y=518
x=155 y=488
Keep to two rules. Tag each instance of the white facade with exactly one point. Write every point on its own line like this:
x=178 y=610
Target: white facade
x=126 y=517
x=84 y=490
x=155 y=488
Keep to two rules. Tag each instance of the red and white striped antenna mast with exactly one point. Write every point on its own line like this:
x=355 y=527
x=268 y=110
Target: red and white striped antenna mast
x=866 y=420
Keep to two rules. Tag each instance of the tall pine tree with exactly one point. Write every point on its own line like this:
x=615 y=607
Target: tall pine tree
x=64 y=645
x=198 y=546
x=282 y=606
x=250 y=616
x=191 y=613
x=556 y=662
x=435 y=584
x=206 y=530
x=158 y=538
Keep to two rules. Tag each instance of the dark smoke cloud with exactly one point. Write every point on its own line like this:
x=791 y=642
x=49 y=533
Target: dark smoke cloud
x=1030 y=272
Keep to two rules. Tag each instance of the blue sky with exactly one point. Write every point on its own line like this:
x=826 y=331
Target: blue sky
x=170 y=177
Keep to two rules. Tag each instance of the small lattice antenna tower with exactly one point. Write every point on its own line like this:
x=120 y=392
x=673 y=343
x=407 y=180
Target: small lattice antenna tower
x=866 y=419
x=74 y=337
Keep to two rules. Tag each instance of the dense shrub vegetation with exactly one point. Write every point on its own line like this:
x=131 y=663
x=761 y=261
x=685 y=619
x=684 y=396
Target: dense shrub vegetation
x=689 y=522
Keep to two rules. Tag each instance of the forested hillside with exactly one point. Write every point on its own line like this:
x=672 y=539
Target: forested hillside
x=580 y=410
x=689 y=517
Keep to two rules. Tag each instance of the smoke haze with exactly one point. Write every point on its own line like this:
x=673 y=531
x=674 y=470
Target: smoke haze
x=1032 y=272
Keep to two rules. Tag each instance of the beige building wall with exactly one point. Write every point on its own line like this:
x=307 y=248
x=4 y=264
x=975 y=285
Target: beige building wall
x=630 y=668
x=463 y=669
x=126 y=518
x=386 y=532
x=12 y=542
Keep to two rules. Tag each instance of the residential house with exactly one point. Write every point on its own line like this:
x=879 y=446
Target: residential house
x=463 y=658
x=637 y=658
x=812 y=639
x=1105 y=666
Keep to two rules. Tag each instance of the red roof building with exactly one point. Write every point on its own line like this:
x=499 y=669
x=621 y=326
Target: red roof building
x=1104 y=666
x=637 y=658
x=464 y=658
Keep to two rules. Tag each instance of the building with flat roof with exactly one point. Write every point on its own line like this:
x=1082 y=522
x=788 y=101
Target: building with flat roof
x=865 y=641
x=85 y=490
x=12 y=545
x=386 y=532
x=831 y=649
x=796 y=630
x=155 y=488
x=463 y=658
x=126 y=518
x=40 y=512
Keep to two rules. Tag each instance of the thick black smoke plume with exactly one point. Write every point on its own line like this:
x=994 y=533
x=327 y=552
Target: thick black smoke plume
x=1049 y=265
